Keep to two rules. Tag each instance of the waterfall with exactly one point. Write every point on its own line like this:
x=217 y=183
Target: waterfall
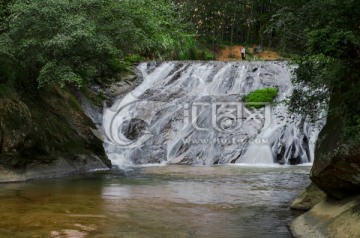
x=193 y=113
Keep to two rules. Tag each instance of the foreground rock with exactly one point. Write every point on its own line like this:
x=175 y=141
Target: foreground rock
x=336 y=171
x=336 y=167
x=309 y=198
x=330 y=219
x=59 y=168
x=47 y=135
x=339 y=175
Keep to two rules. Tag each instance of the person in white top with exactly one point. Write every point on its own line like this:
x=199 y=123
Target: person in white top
x=243 y=51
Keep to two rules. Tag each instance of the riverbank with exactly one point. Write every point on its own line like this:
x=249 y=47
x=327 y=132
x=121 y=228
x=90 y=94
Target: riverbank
x=62 y=167
x=329 y=219
x=233 y=53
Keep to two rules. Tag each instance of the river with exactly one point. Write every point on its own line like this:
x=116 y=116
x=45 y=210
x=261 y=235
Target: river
x=168 y=201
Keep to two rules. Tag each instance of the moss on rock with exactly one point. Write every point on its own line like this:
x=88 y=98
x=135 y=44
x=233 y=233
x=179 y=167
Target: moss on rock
x=336 y=168
x=45 y=128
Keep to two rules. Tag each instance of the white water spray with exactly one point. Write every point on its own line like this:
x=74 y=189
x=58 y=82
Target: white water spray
x=192 y=113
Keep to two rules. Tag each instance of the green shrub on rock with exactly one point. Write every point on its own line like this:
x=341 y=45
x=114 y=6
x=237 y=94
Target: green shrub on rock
x=259 y=97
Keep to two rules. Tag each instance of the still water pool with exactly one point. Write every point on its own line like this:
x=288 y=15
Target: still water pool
x=171 y=201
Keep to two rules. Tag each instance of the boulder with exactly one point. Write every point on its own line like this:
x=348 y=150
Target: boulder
x=340 y=175
x=47 y=135
x=309 y=198
x=336 y=168
x=329 y=219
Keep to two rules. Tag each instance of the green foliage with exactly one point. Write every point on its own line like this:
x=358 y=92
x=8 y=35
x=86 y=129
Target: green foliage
x=197 y=54
x=84 y=41
x=259 y=97
x=337 y=43
x=249 y=54
x=233 y=21
x=288 y=33
x=4 y=13
x=330 y=70
x=13 y=77
x=192 y=54
x=53 y=72
x=208 y=55
x=6 y=91
x=133 y=59
x=7 y=71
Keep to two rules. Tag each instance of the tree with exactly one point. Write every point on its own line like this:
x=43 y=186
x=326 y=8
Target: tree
x=232 y=21
x=329 y=67
x=79 y=42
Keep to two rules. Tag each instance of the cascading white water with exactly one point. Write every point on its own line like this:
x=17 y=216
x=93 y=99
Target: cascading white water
x=192 y=113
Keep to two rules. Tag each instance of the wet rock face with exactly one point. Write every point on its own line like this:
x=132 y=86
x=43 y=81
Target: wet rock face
x=340 y=175
x=193 y=113
x=15 y=121
x=45 y=130
x=336 y=173
x=134 y=128
x=329 y=218
x=309 y=198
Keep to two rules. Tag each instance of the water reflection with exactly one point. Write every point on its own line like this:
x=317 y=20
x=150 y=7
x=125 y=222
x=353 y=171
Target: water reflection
x=173 y=201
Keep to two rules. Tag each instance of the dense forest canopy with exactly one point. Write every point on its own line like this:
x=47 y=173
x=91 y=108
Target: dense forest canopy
x=330 y=62
x=86 y=41
x=239 y=21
